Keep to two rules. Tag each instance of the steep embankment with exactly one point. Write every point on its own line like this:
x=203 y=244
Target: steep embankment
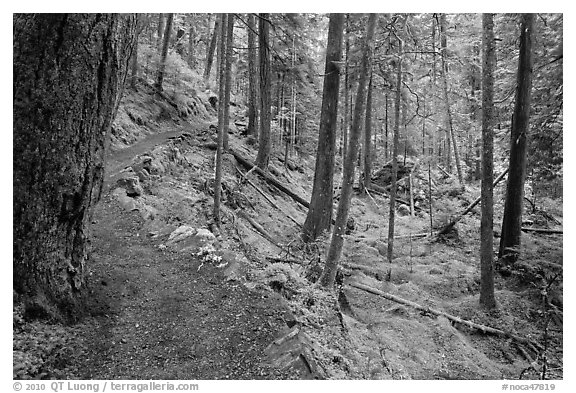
x=174 y=297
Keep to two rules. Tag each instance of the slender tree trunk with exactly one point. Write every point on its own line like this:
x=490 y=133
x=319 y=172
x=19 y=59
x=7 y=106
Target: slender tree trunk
x=221 y=117
x=396 y=137
x=264 y=135
x=335 y=250
x=346 y=93
x=368 y=138
x=386 y=128
x=68 y=74
x=228 y=76
x=512 y=221
x=210 y=54
x=252 y=81
x=134 y=58
x=192 y=44
x=450 y=137
x=160 y=31
x=319 y=216
x=165 y=46
x=487 y=299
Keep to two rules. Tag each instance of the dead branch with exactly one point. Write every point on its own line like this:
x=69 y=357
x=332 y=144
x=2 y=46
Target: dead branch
x=268 y=178
x=451 y=224
x=261 y=192
x=258 y=227
x=482 y=328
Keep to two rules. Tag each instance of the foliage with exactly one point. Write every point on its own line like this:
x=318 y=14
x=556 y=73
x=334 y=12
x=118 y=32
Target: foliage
x=40 y=350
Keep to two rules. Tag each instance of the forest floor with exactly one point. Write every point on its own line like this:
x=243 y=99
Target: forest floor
x=174 y=298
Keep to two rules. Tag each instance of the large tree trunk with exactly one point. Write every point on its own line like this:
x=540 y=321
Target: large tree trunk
x=164 y=55
x=487 y=299
x=210 y=54
x=264 y=135
x=69 y=71
x=221 y=67
x=319 y=216
x=512 y=221
x=335 y=250
x=252 y=128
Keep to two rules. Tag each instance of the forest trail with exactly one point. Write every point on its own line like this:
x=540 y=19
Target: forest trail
x=157 y=314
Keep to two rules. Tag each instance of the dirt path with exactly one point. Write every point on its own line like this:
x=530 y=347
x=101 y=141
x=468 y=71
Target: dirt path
x=157 y=316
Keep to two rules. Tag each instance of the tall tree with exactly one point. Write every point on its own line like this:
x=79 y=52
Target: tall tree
x=252 y=128
x=396 y=137
x=368 y=138
x=319 y=216
x=451 y=137
x=346 y=91
x=210 y=53
x=160 y=31
x=335 y=249
x=134 y=58
x=487 y=299
x=228 y=76
x=222 y=52
x=264 y=50
x=512 y=221
x=164 y=55
x=68 y=74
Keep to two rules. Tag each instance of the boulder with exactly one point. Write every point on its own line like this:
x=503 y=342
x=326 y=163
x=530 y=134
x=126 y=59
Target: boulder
x=130 y=182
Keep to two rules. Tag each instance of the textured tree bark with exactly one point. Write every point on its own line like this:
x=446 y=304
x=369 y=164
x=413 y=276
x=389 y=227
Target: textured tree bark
x=264 y=134
x=512 y=221
x=210 y=54
x=346 y=94
x=160 y=31
x=69 y=70
x=487 y=299
x=252 y=128
x=164 y=55
x=335 y=249
x=319 y=216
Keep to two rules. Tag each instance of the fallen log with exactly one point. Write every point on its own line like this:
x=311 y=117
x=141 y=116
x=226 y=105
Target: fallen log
x=542 y=230
x=268 y=178
x=258 y=228
x=482 y=328
x=261 y=192
x=382 y=191
x=451 y=224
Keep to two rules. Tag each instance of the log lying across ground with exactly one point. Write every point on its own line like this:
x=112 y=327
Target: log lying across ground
x=542 y=230
x=482 y=328
x=381 y=190
x=451 y=224
x=269 y=179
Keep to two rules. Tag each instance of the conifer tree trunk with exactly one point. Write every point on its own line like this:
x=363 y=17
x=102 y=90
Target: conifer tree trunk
x=346 y=93
x=160 y=31
x=487 y=299
x=451 y=138
x=335 y=249
x=252 y=78
x=395 y=142
x=228 y=76
x=368 y=138
x=68 y=75
x=221 y=117
x=134 y=58
x=210 y=53
x=512 y=221
x=264 y=133
x=192 y=44
x=319 y=216
x=164 y=55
